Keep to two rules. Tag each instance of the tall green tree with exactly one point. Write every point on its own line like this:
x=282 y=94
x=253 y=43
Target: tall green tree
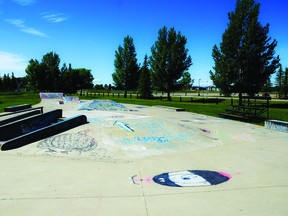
x=36 y=77
x=126 y=74
x=169 y=59
x=285 y=84
x=85 y=78
x=186 y=81
x=50 y=63
x=279 y=80
x=6 y=80
x=245 y=59
x=144 y=87
x=70 y=79
x=13 y=82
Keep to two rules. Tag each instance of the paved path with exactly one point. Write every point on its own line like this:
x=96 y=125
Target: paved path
x=103 y=168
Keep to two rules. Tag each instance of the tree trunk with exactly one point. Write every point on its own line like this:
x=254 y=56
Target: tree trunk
x=168 y=95
x=240 y=99
x=125 y=93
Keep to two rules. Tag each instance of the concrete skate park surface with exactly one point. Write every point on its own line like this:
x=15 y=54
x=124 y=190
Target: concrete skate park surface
x=117 y=163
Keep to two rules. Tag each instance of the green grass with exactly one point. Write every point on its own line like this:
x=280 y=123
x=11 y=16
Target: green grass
x=206 y=106
x=12 y=99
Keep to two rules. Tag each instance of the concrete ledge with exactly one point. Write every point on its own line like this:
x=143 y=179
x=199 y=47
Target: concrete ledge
x=172 y=108
x=43 y=133
x=281 y=126
x=19 y=116
x=17 y=108
x=27 y=125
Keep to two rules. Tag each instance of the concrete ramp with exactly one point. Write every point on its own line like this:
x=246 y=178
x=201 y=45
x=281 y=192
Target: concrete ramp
x=44 y=132
x=18 y=116
x=27 y=125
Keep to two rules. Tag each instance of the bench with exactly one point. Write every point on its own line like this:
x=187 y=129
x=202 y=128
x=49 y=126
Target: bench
x=277 y=125
x=233 y=116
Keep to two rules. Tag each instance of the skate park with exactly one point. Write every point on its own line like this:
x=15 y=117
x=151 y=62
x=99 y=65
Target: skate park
x=144 y=160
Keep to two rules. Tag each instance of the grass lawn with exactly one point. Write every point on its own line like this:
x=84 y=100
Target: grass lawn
x=209 y=106
x=205 y=106
x=12 y=99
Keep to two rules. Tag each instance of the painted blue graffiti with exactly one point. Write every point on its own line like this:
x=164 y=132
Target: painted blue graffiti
x=157 y=139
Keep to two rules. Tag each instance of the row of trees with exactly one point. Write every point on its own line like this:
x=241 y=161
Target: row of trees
x=163 y=69
x=244 y=62
x=8 y=83
x=45 y=75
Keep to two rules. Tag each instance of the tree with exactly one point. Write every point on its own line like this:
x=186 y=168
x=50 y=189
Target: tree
x=85 y=78
x=144 y=86
x=1 y=84
x=186 y=81
x=6 y=82
x=13 y=82
x=50 y=63
x=169 y=59
x=70 y=79
x=279 y=80
x=126 y=73
x=35 y=75
x=285 y=84
x=245 y=59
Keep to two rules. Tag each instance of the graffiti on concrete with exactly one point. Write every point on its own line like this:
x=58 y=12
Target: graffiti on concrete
x=277 y=125
x=136 y=180
x=158 y=139
x=103 y=105
x=70 y=99
x=123 y=126
x=54 y=95
x=66 y=143
x=191 y=178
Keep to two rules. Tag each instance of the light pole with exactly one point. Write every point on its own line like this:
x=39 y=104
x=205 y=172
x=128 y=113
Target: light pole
x=199 y=88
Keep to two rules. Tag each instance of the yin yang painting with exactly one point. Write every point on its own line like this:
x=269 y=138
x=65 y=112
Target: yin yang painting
x=191 y=178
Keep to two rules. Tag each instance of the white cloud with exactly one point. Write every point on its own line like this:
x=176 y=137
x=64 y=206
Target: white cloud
x=11 y=62
x=34 y=32
x=25 y=2
x=21 y=25
x=16 y=22
x=54 y=18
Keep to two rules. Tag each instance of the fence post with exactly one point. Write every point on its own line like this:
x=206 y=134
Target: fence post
x=118 y=94
x=180 y=99
x=191 y=99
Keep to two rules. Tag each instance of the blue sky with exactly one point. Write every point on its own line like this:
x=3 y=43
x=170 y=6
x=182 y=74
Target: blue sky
x=87 y=33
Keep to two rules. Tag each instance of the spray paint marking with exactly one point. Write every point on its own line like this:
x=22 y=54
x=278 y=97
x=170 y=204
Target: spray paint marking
x=151 y=139
x=137 y=181
x=123 y=126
